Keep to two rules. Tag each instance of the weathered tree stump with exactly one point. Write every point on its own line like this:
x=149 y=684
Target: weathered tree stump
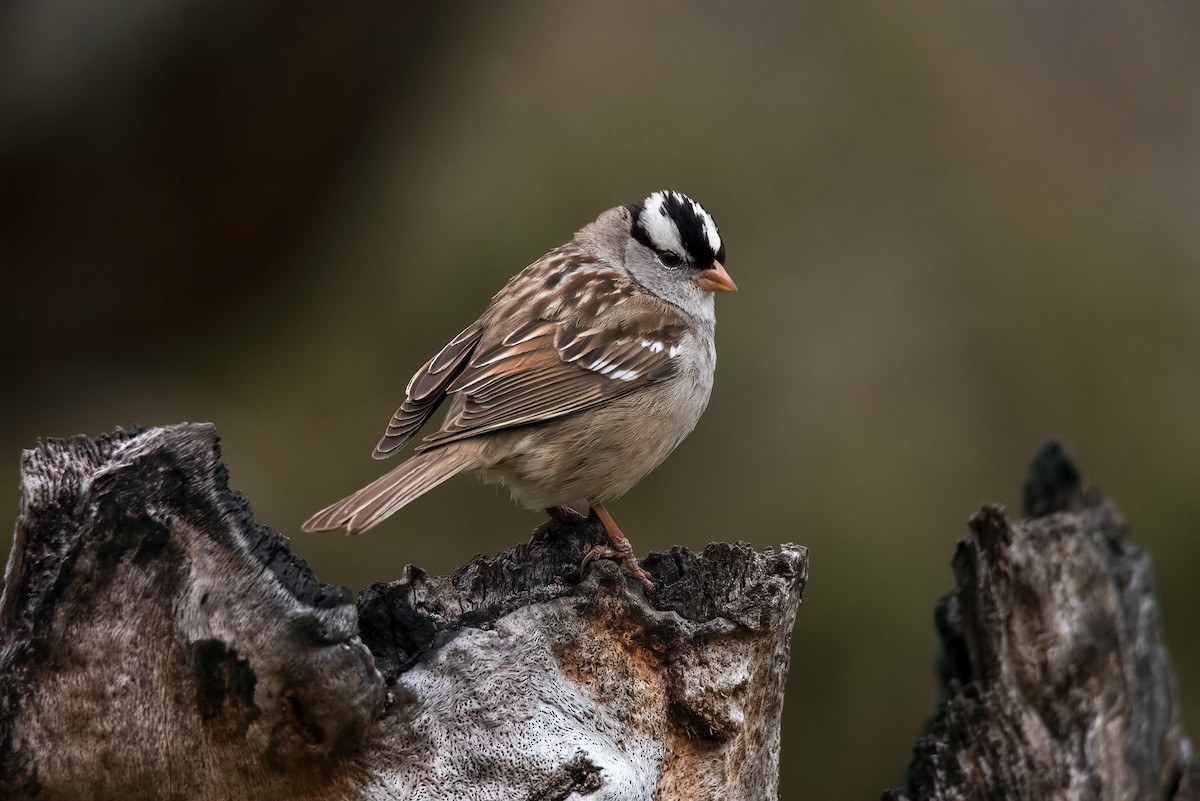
x=156 y=642
x=1054 y=679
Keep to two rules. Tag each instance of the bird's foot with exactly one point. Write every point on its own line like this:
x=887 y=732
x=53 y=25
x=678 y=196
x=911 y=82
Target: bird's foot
x=559 y=516
x=622 y=553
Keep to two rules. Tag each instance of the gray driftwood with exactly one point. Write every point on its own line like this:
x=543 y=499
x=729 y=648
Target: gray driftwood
x=1054 y=679
x=156 y=642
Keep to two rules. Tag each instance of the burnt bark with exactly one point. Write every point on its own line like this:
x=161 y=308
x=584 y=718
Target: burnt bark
x=1054 y=679
x=156 y=642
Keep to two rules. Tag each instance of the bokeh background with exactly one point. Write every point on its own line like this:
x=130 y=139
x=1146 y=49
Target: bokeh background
x=957 y=229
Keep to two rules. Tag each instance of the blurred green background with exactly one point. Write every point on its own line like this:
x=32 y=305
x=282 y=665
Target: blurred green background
x=957 y=229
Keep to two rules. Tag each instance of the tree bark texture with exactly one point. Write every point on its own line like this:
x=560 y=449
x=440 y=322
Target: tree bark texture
x=1054 y=679
x=156 y=642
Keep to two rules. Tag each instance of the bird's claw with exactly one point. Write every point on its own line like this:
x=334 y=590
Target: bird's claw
x=623 y=556
x=559 y=516
x=541 y=532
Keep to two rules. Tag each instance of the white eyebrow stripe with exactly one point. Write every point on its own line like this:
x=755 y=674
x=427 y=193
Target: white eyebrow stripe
x=659 y=227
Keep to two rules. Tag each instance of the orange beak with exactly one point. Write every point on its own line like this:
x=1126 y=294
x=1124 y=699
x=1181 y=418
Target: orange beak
x=715 y=279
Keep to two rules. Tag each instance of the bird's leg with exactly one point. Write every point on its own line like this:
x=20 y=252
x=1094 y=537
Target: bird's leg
x=621 y=550
x=559 y=516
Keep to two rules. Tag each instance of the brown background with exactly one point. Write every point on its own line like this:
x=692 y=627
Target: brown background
x=957 y=229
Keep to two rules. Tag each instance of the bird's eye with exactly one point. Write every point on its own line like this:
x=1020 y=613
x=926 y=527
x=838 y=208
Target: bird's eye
x=670 y=259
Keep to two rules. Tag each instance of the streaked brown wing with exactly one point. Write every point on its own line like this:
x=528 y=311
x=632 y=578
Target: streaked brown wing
x=551 y=368
x=427 y=389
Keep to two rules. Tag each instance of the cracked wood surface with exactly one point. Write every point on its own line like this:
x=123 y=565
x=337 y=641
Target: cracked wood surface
x=156 y=642
x=1054 y=679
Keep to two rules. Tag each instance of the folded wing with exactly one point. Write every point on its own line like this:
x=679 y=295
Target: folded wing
x=548 y=369
x=427 y=389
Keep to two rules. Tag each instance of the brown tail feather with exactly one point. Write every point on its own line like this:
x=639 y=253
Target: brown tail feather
x=377 y=501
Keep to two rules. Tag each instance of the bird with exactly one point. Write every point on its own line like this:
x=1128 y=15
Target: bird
x=583 y=373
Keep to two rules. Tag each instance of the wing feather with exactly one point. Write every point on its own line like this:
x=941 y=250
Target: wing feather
x=427 y=389
x=548 y=369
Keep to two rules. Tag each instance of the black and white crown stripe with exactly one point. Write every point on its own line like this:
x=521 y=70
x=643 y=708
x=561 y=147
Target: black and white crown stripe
x=672 y=221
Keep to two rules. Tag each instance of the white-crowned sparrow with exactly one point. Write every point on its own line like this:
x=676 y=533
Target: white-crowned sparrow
x=583 y=373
